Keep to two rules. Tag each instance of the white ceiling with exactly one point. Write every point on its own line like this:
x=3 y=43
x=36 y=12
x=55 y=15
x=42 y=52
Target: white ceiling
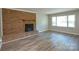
x=45 y=10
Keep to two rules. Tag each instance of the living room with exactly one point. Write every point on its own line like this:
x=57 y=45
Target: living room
x=39 y=29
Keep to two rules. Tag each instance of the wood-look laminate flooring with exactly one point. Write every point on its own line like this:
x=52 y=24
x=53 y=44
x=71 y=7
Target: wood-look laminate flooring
x=45 y=41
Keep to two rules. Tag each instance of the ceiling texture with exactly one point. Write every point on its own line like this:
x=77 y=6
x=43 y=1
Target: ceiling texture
x=45 y=10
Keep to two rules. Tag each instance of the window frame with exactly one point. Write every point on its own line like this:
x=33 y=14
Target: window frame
x=67 y=21
x=74 y=20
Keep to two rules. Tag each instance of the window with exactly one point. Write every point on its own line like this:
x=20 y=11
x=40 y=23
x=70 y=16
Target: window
x=71 y=21
x=53 y=21
x=64 y=21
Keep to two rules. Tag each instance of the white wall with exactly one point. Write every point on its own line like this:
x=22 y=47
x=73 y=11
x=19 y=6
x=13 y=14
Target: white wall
x=0 y=27
x=64 y=29
x=41 y=22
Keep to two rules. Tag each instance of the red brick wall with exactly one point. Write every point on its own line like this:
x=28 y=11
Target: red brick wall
x=13 y=21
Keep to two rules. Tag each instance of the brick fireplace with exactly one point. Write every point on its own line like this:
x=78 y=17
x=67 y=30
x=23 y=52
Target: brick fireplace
x=15 y=22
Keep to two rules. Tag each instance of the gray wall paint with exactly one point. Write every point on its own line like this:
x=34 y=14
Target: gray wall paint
x=0 y=20
x=0 y=27
x=64 y=29
x=41 y=22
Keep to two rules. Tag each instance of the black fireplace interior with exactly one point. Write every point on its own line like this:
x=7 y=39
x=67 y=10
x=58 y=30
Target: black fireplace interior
x=29 y=27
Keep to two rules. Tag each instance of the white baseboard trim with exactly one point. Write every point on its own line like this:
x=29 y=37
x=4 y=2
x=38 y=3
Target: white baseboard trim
x=65 y=32
x=42 y=31
x=18 y=39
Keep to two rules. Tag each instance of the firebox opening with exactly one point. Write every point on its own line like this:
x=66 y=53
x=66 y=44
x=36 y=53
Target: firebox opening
x=29 y=27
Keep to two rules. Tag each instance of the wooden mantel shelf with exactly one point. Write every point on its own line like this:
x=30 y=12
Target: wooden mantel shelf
x=29 y=20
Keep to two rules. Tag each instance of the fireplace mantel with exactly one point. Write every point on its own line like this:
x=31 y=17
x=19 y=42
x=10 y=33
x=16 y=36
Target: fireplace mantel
x=28 y=20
